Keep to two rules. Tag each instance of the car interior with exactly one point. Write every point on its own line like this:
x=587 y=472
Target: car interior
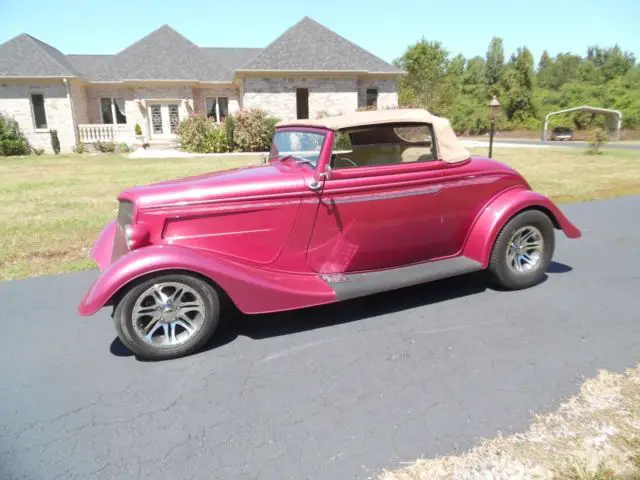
x=383 y=145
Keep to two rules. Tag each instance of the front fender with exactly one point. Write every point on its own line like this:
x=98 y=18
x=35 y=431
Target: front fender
x=253 y=290
x=499 y=211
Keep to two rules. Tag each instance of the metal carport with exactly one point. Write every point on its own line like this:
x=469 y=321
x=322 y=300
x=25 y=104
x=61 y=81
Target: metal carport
x=613 y=118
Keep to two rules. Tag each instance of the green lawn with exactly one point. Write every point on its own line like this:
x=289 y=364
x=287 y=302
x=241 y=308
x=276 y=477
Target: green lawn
x=52 y=208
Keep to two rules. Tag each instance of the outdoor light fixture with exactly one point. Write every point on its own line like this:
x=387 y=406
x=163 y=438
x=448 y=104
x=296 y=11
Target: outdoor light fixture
x=494 y=106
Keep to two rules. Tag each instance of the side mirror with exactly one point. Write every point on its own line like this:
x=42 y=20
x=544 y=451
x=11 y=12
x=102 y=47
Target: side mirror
x=320 y=177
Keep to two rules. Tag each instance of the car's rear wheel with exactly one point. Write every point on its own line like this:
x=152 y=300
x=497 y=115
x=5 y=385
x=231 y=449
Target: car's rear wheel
x=167 y=316
x=523 y=250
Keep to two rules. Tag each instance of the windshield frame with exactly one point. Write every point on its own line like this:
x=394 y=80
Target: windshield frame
x=327 y=139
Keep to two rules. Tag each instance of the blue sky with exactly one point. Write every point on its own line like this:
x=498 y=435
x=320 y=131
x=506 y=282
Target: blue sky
x=463 y=26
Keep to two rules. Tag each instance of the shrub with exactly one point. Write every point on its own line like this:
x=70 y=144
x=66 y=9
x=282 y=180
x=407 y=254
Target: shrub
x=123 y=147
x=137 y=129
x=271 y=130
x=597 y=138
x=254 y=130
x=105 y=147
x=79 y=147
x=38 y=151
x=217 y=140
x=229 y=127
x=55 y=141
x=10 y=147
x=201 y=135
x=12 y=140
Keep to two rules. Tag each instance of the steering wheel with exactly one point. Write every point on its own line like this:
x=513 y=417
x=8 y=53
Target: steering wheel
x=347 y=160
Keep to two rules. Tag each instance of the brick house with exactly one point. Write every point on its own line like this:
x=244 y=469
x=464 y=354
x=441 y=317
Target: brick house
x=163 y=78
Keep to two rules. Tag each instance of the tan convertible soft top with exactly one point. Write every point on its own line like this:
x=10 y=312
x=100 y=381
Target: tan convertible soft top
x=449 y=147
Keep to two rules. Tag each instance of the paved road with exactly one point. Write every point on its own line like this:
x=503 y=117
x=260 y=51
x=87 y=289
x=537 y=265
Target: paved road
x=330 y=393
x=566 y=144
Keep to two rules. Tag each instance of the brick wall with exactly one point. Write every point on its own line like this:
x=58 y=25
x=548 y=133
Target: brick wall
x=200 y=95
x=15 y=100
x=79 y=100
x=278 y=95
x=387 y=92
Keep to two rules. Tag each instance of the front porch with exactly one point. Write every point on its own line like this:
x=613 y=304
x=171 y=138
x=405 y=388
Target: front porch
x=158 y=121
x=102 y=132
x=107 y=113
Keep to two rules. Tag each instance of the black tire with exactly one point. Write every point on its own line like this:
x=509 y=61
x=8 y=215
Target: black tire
x=499 y=267
x=123 y=320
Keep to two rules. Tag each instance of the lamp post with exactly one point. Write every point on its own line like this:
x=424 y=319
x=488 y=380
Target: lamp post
x=494 y=106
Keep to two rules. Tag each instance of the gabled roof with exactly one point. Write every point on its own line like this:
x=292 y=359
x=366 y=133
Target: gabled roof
x=164 y=54
x=232 y=57
x=311 y=46
x=89 y=66
x=26 y=56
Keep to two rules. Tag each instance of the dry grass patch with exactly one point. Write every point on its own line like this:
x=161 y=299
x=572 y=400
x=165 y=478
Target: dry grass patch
x=52 y=208
x=595 y=435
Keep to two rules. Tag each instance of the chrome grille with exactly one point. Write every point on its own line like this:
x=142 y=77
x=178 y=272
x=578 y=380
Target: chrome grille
x=125 y=212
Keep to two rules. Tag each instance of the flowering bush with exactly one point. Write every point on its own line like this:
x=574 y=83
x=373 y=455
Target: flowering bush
x=253 y=130
x=199 y=134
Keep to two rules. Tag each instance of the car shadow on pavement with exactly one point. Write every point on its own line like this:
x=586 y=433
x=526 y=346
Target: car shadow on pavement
x=557 y=267
x=235 y=324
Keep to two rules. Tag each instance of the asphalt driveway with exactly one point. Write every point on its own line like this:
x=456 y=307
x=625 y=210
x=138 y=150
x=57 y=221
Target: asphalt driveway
x=328 y=393
x=568 y=144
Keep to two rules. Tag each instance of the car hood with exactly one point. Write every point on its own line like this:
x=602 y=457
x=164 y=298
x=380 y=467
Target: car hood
x=234 y=184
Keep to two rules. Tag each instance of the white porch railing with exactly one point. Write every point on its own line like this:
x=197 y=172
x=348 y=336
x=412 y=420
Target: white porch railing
x=89 y=133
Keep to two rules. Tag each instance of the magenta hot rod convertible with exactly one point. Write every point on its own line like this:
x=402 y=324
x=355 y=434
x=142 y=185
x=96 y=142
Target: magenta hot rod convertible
x=345 y=206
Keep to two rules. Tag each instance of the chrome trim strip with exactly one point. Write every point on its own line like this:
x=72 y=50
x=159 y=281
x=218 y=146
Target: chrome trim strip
x=382 y=196
x=229 y=203
x=355 y=285
x=221 y=234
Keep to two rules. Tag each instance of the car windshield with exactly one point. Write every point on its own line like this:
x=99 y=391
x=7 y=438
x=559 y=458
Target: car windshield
x=302 y=146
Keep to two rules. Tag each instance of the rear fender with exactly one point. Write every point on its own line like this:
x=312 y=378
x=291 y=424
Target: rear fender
x=500 y=210
x=251 y=289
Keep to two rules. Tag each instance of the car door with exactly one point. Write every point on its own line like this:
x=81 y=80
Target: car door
x=380 y=207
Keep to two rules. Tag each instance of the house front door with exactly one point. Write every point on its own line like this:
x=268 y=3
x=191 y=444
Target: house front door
x=164 y=119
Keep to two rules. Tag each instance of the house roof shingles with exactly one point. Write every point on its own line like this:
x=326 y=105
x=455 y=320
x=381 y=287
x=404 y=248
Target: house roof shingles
x=309 y=45
x=26 y=56
x=164 y=54
x=90 y=66
x=232 y=57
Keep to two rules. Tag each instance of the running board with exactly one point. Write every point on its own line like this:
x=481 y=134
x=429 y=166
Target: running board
x=360 y=284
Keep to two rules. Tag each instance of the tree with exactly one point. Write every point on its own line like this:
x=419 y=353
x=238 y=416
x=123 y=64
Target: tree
x=544 y=70
x=425 y=83
x=611 y=62
x=518 y=87
x=460 y=88
x=494 y=65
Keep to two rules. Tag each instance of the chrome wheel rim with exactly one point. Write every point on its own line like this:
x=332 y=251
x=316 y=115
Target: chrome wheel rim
x=525 y=249
x=168 y=314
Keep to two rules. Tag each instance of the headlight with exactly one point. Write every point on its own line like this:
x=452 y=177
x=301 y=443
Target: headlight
x=136 y=236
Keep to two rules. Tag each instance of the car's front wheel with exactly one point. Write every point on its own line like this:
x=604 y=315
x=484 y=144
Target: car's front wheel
x=167 y=316
x=523 y=250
